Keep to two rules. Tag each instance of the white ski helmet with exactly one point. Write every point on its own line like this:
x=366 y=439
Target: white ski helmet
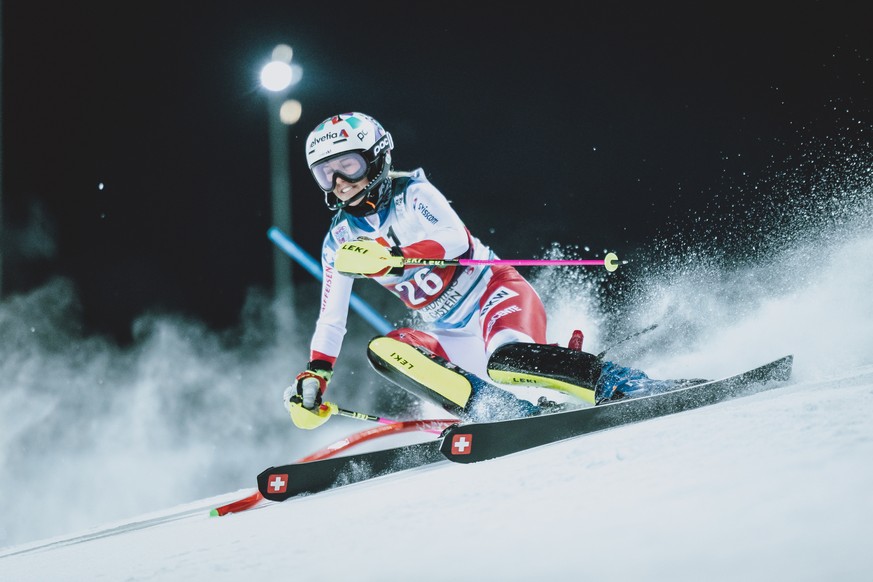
x=353 y=146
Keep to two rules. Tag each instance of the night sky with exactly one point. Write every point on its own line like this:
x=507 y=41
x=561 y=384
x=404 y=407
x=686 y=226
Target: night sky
x=596 y=128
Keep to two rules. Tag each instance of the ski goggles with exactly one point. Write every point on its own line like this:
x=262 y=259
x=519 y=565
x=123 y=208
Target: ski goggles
x=350 y=166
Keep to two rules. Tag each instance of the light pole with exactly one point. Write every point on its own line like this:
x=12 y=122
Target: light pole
x=277 y=77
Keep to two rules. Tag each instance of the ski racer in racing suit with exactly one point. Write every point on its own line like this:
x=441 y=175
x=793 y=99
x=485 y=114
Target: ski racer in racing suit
x=479 y=321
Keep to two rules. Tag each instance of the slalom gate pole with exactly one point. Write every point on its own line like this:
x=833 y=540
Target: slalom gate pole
x=304 y=259
x=389 y=427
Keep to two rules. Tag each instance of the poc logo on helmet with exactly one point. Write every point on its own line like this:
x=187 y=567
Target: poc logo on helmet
x=383 y=143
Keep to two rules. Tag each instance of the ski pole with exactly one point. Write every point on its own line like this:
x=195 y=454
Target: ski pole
x=364 y=416
x=372 y=417
x=631 y=336
x=610 y=262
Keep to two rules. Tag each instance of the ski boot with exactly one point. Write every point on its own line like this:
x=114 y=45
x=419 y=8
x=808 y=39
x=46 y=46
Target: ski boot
x=617 y=382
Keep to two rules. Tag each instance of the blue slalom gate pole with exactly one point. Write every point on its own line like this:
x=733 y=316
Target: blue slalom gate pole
x=292 y=249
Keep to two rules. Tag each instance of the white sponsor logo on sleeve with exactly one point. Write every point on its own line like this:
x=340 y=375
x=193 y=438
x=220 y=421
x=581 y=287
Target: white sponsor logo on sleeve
x=500 y=295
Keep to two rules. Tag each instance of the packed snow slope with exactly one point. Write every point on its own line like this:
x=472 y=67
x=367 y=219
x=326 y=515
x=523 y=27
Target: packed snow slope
x=769 y=487
x=98 y=441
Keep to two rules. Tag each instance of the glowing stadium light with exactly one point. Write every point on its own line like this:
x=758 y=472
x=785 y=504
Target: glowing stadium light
x=276 y=76
x=279 y=74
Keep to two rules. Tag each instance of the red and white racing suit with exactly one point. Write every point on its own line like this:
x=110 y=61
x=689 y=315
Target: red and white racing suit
x=467 y=312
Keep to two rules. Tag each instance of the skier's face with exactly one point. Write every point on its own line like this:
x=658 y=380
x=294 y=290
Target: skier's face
x=344 y=190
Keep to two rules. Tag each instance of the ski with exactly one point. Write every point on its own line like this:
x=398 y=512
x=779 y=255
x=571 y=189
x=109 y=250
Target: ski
x=285 y=481
x=470 y=443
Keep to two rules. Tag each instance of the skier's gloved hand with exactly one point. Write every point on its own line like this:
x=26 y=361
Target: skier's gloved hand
x=307 y=418
x=303 y=399
x=312 y=383
x=364 y=256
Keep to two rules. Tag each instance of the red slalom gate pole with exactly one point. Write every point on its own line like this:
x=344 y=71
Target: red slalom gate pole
x=387 y=427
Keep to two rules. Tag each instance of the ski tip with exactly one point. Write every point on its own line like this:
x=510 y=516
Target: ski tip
x=213 y=513
x=786 y=366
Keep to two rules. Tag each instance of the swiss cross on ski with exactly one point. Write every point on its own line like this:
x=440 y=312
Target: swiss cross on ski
x=278 y=483
x=462 y=444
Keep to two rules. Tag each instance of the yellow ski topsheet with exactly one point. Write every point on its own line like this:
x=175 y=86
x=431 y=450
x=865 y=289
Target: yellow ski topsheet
x=524 y=379
x=409 y=361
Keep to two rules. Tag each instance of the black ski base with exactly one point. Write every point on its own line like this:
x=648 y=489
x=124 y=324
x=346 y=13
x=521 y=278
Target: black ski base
x=285 y=481
x=469 y=443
